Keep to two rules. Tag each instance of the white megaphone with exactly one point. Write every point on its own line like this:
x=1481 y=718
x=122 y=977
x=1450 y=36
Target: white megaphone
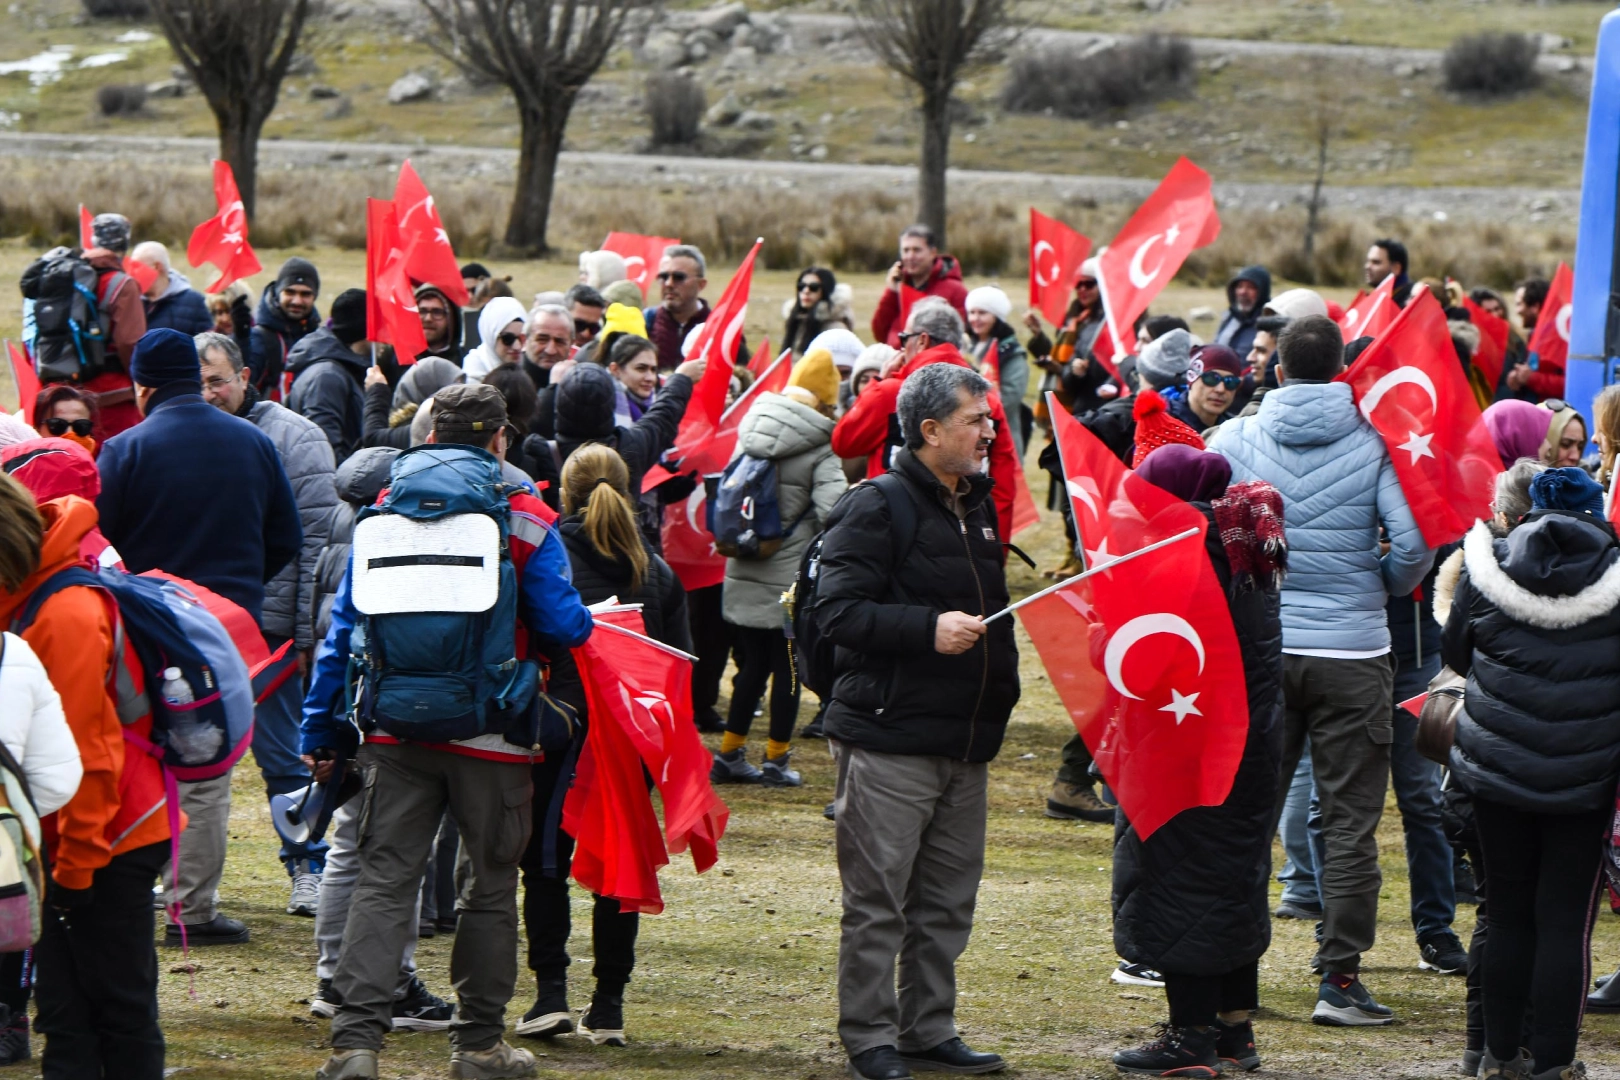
x=302 y=816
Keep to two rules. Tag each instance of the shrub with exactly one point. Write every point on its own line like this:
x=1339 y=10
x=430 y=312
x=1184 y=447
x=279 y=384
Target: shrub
x=117 y=100
x=1090 y=82
x=675 y=105
x=117 y=9
x=1491 y=64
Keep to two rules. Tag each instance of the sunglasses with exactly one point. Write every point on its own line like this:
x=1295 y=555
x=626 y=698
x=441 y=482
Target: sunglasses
x=1554 y=404
x=1215 y=378
x=908 y=335
x=1086 y=283
x=59 y=427
x=587 y=326
x=810 y=286
x=672 y=277
x=510 y=340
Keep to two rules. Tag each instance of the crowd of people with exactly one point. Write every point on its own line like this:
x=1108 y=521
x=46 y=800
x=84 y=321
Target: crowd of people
x=893 y=467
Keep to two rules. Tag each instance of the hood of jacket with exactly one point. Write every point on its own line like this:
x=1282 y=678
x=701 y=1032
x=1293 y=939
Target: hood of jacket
x=1260 y=278
x=946 y=268
x=67 y=521
x=936 y=354
x=1309 y=414
x=1555 y=571
x=270 y=315
x=778 y=427
x=363 y=474
x=324 y=345
x=451 y=349
x=425 y=378
x=614 y=568
x=178 y=283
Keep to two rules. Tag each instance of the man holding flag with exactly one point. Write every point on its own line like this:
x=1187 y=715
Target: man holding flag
x=1339 y=486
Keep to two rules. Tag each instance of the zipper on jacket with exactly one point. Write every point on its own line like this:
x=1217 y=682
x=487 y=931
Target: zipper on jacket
x=984 y=677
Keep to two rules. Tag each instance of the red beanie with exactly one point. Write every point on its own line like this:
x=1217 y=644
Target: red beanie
x=1155 y=427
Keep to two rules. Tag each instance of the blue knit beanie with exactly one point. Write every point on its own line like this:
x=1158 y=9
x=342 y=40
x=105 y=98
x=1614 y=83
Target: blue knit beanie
x=165 y=356
x=1566 y=489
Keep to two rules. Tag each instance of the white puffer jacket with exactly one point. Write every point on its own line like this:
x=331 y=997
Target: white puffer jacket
x=34 y=730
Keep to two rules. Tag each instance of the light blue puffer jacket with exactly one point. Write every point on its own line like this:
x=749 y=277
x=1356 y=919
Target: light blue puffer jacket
x=1337 y=483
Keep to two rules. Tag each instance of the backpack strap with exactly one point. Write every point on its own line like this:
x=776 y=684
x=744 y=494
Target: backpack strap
x=902 y=512
x=62 y=579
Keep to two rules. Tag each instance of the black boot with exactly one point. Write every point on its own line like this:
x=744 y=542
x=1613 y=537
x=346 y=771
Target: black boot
x=1234 y=1045
x=550 y=1015
x=603 y=1022
x=1606 y=998
x=1177 y=1051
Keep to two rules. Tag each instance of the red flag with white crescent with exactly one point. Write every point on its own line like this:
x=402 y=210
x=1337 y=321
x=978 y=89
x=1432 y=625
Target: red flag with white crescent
x=25 y=379
x=429 y=257
x=641 y=255
x=1370 y=313
x=1055 y=254
x=1493 y=342
x=717 y=340
x=391 y=314
x=1142 y=258
x=223 y=239
x=688 y=544
x=1410 y=387
x=87 y=232
x=1549 y=342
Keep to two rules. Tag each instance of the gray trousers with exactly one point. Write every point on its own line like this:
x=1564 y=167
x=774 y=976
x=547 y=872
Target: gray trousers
x=408 y=789
x=910 y=853
x=1345 y=708
x=207 y=806
x=337 y=889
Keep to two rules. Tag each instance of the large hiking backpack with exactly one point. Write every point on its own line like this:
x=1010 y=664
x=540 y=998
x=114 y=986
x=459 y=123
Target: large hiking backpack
x=812 y=654
x=169 y=628
x=433 y=581
x=72 y=326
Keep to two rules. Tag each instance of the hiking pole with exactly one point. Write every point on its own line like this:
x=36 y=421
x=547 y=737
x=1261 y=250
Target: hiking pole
x=1066 y=582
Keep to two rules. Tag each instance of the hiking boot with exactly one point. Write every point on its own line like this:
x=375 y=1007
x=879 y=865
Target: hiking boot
x=1128 y=974
x=326 y=1001
x=1177 y=1051
x=774 y=772
x=1518 y=1069
x=733 y=768
x=1470 y=1062
x=306 y=892
x=217 y=931
x=499 y=1062
x=1442 y=952
x=1348 y=1004
x=550 y=1015
x=1606 y=998
x=878 y=1063
x=953 y=1056
x=1234 y=1045
x=1299 y=909
x=708 y=721
x=1077 y=802
x=14 y=1039
x=419 y=1009
x=603 y=1022
x=1575 y=1071
x=349 y=1065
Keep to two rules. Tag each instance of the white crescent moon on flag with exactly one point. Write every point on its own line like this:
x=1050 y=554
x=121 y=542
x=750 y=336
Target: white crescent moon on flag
x=635 y=268
x=693 y=501
x=1561 y=321
x=733 y=331
x=1142 y=626
x=1416 y=376
x=1078 y=491
x=1139 y=277
x=1041 y=279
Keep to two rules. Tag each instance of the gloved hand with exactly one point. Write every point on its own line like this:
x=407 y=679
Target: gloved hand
x=65 y=900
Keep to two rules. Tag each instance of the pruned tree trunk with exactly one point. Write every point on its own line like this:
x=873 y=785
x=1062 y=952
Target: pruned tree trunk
x=239 y=146
x=936 y=151
x=1313 y=215
x=539 y=146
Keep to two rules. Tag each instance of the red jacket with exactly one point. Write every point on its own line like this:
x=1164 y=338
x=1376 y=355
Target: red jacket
x=945 y=281
x=113 y=388
x=865 y=430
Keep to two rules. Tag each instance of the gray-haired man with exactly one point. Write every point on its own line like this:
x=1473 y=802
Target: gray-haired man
x=911 y=565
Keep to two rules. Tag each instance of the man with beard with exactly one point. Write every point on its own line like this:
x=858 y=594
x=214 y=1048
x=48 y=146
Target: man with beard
x=1246 y=295
x=286 y=314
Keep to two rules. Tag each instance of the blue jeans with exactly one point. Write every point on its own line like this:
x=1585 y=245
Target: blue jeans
x=1298 y=873
x=1416 y=781
x=275 y=749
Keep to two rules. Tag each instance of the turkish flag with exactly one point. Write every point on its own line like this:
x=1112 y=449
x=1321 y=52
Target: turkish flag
x=1167 y=723
x=1493 y=343
x=1549 y=342
x=761 y=359
x=714 y=455
x=1178 y=217
x=429 y=258
x=1106 y=352
x=688 y=544
x=642 y=255
x=87 y=232
x=1410 y=387
x=143 y=274
x=990 y=366
x=1055 y=254
x=25 y=379
x=908 y=300
x=1370 y=313
x=717 y=340
x=223 y=238
x=391 y=313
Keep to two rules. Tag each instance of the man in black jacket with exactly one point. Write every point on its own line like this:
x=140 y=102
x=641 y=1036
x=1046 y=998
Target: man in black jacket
x=921 y=695
x=329 y=371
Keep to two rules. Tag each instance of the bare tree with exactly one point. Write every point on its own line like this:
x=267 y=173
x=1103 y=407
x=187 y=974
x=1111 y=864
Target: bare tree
x=544 y=51
x=931 y=44
x=1326 y=114
x=237 y=52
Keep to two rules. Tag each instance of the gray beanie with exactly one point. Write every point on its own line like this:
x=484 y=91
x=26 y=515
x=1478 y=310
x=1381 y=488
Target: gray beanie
x=1163 y=361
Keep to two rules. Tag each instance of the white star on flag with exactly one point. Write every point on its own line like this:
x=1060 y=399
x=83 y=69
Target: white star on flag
x=442 y=237
x=1171 y=233
x=1182 y=705
x=1417 y=445
x=1095 y=559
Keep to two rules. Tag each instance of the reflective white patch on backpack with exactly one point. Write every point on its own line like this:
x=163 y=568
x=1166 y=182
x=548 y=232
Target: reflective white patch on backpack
x=448 y=564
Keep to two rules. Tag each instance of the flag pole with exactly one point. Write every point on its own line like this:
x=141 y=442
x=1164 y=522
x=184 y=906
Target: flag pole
x=1066 y=582
x=659 y=645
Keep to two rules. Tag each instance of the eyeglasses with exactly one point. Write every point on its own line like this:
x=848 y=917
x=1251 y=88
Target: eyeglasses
x=510 y=340
x=432 y=312
x=59 y=427
x=810 y=286
x=672 y=277
x=215 y=384
x=1215 y=378
x=587 y=326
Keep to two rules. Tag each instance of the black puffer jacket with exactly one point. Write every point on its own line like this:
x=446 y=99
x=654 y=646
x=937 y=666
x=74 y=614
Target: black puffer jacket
x=1192 y=898
x=892 y=692
x=1535 y=626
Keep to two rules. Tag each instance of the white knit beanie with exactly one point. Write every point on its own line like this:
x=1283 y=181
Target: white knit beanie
x=991 y=299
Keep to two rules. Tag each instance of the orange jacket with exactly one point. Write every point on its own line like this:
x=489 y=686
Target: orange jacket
x=120 y=804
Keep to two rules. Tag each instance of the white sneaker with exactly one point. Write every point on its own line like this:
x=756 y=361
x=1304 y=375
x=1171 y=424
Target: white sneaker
x=306 y=895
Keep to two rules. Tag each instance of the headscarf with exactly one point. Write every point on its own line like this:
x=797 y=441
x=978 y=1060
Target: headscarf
x=1555 y=431
x=1189 y=474
x=491 y=321
x=425 y=378
x=1518 y=428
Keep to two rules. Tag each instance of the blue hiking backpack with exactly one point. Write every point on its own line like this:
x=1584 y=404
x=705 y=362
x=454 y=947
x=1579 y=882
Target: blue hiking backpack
x=435 y=648
x=745 y=515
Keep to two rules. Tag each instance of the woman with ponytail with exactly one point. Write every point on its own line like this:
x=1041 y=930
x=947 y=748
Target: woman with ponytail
x=609 y=559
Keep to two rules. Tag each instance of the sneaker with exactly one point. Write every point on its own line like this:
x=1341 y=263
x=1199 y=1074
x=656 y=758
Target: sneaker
x=1077 y=802
x=306 y=893
x=1606 y=998
x=733 y=768
x=419 y=1009
x=603 y=1022
x=499 y=1062
x=326 y=1001
x=550 y=1015
x=1176 y=1051
x=446 y=924
x=1234 y=1045
x=1299 y=909
x=708 y=721
x=1442 y=952
x=1470 y=1062
x=426 y=928
x=14 y=1040
x=349 y=1065
x=878 y=1063
x=217 y=931
x=1349 y=1006
x=774 y=772
x=1127 y=974
x=813 y=729
x=1518 y=1069
x=1575 y=1071
x=830 y=811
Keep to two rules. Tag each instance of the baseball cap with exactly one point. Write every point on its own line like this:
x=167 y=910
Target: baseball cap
x=468 y=407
